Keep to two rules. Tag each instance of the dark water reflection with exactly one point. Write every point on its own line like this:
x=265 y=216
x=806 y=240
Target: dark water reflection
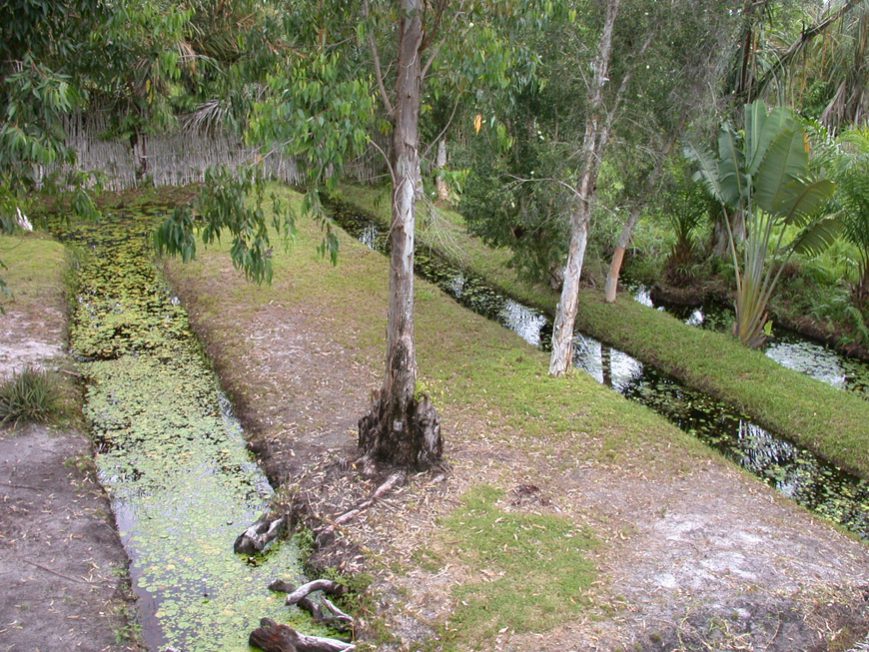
x=789 y=349
x=794 y=471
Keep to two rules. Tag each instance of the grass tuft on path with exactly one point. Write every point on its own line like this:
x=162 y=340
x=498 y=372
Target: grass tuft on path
x=828 y=421
x=531 y=570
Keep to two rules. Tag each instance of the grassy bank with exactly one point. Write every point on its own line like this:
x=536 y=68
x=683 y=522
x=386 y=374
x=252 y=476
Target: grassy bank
x=825 y=420
x=34 y=271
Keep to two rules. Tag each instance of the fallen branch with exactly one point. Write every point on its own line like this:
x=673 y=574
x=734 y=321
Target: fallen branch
x=259 y=535
x=391 y=482
x=272 y=637
x=295 y=594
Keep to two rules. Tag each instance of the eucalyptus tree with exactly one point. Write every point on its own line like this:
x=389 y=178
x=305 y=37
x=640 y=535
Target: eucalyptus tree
x=347 y=74
x=633 y=36
x=762 y=172
x=671 y=97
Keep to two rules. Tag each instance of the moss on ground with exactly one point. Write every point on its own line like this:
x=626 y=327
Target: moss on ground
x=828 y=421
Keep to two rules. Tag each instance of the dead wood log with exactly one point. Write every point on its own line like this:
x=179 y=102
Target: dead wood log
x=294 y=595
x=328 y=614
x=259 y=535
x=272 y=637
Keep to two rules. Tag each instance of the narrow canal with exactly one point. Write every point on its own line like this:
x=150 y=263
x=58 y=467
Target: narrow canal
x=789 y=349
x=170 y=454
x=792 y=470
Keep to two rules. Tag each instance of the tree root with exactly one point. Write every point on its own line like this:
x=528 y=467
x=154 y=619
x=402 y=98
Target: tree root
x=326 y=614
x=272 y=637
x=259 y=535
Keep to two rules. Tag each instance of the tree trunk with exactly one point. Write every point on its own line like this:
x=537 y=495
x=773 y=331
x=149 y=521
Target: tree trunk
x=612 y=277
x=721 y=239
x=400 y=429
x=565 y=313
x=443 y=189
x=593 y=145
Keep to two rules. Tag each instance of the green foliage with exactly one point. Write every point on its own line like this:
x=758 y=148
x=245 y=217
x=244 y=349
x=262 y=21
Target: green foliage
x=762 y=173
x=232 y=201
x=782 y=400
x=686 y=210
x=30 y=395
x=850 y=168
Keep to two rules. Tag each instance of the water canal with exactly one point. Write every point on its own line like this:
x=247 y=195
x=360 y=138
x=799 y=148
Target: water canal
x=170 y=454
x=787 y=348
x=791 y=469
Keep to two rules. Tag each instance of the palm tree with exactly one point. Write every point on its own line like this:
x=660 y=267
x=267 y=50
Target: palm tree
x=762 y=175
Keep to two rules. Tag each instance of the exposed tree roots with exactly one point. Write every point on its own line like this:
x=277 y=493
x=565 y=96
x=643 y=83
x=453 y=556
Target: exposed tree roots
x=272 y=637
x=324 y=612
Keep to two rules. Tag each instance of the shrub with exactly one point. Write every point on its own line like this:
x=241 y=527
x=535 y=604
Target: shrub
x=31 y=395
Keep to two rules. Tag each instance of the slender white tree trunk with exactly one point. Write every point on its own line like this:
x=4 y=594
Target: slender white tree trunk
x=597 y=130
x=443 y=189
x=565 y=314
x=612 y=277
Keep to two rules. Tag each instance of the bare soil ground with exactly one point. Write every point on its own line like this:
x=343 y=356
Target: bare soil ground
x=62 y=565
x=709 y=559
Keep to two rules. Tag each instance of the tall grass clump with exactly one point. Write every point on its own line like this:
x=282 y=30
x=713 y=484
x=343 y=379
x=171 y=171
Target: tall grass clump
x=31 y=395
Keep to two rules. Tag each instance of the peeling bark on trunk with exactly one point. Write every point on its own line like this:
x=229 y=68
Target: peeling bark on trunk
x=597 y=130
x=565 y=314
x=443 y=189
x=400 y=429
x=612 y=277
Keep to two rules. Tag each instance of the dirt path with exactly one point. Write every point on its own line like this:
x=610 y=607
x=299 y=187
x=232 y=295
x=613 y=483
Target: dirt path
x=62 y=566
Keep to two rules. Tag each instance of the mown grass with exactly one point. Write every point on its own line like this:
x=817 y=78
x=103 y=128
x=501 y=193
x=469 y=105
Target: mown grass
x=34 y=271
x=828 y=421
x=533 y=570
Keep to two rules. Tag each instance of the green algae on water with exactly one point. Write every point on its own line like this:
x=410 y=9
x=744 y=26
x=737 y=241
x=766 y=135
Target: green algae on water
x=170 y=454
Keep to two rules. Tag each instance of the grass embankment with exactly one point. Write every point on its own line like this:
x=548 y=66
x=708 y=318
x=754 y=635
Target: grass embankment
x=828 y=421
x=488 y=385
x=34 y=273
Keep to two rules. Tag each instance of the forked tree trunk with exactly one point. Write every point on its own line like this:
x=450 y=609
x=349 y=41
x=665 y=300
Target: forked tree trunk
x=400 y=429
x=597 y=130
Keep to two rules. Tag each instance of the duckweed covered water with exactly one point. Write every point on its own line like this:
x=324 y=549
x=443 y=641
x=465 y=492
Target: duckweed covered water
x=170 y=454
x=794 y=471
